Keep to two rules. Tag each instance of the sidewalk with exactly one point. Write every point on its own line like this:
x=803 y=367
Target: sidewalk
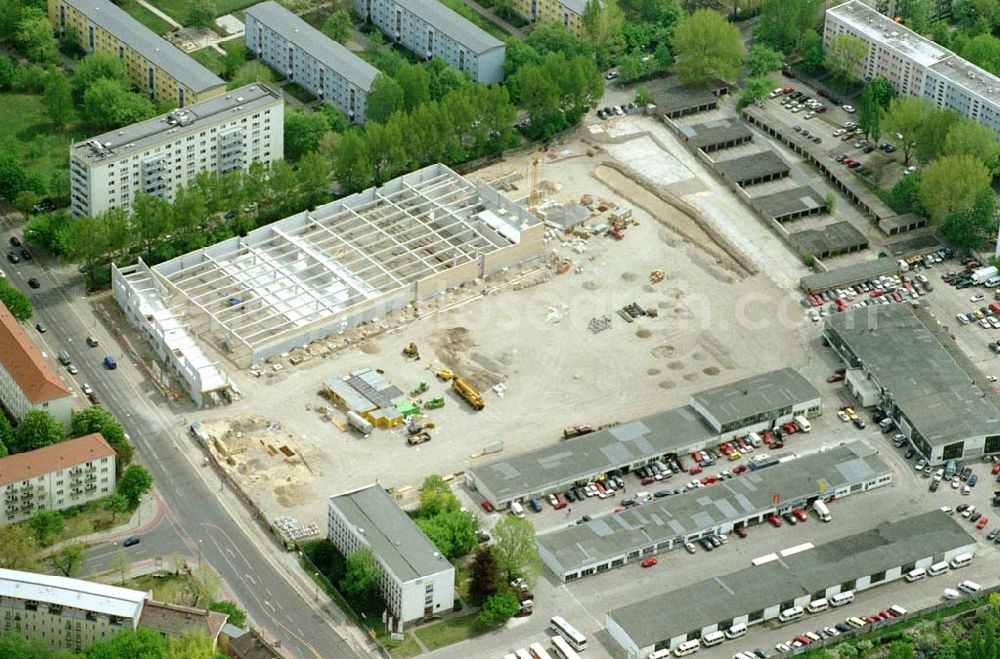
x=159 y=14
x=490 y=16
x=144 y=517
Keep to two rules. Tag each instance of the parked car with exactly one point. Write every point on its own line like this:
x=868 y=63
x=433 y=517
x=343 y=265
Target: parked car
x=649 y=562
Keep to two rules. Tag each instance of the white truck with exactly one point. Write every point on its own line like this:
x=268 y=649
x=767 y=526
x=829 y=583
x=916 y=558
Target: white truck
x=822 y=510
x=982 y=274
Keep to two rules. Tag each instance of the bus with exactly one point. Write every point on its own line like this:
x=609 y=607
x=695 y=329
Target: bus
x=538 y=652
x=562 y=648
x=523 y=654
x=576 y=640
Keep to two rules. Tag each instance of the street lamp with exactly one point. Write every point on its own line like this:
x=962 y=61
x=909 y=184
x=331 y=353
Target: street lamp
x=316 y=584
x=199 y=554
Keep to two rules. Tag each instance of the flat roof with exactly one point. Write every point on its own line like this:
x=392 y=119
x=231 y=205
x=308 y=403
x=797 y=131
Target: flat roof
x=698 y=510
x=175 y=124
x=754 y=395
x=23 y=360
x=887 y=546
x=72 y=593
x=906 y=219
x=22 y=466
x=393 y=536
x=176 y=620
x=881 y=29
x=452 y=24
x=157 y=50
x=787 y=202
x=847 y=275
x=678 y=96
x=716 y=132
x=763 y=163
x=974 y=79
x=835 y=237
x=931 y=389
x=320 y=47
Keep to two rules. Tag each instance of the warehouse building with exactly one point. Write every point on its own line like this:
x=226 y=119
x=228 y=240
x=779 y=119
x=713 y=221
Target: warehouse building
x=417 y=581
x=160 y=156
x=310 y=275
x=758 y=402
x=155 y=65
x=308 y=57
x=793 y=577
x=368 y=394
x=663 y=524
x=429 y=29
x=897 y=363
x=27 y=381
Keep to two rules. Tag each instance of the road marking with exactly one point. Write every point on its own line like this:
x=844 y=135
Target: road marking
x=270 y=606
x=250 y=579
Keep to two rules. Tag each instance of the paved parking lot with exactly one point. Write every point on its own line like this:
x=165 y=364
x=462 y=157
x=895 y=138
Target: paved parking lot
x=947 y=301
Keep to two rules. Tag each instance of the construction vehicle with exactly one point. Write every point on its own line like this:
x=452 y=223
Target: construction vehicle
x=443 y=374
x=411 y=351
x=434 y=403
x=468 y=392
x=656 y=276
x=418 y=438
x=575 y=431
x=421 y=388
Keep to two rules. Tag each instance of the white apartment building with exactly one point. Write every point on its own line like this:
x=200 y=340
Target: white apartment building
x=160 y=155
x=308 y=57
x=27 y=382
x=429 y=29
x=56 y=477
x=66 y=613
x=917 y=66
x=417 y=581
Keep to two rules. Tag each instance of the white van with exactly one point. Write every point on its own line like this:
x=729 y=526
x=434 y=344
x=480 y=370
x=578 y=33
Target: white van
x=755 y=440
x=970 y=587
x=686 y=648
x=803 y=423
x=950 y=594
x=857 y=622
x=840 y=599
x=898 y=610
x=791 y=614
x=992 y=282
x=517 y=510
x=961 y=561
x=816 y=606
x=712 y=638
x=916 y=574
x=736 y=631
x=643 y=497
x=937 y=569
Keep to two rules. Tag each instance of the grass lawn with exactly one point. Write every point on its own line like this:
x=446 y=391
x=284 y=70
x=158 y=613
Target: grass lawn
x=24 y=122
x=209 y=58
x=298 y=92
x=459 y=7
x=146 y=17
x=168 y=588
x=178 y=9
x=449 y=631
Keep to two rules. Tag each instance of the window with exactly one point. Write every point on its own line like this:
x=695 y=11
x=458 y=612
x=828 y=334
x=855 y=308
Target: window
x=878 y=577
x=953 y=451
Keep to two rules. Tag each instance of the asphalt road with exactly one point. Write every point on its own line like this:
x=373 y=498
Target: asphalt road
x=196 y=519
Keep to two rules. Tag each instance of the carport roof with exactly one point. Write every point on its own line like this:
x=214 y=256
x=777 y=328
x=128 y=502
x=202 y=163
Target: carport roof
x=847 y=275
x=696 y=511
x=791 y=201
x=833 y=238
x=926 y=383
x=681 y=97
x=716 y=132
x=764 y=163
x=754 y=395
x=701 y=604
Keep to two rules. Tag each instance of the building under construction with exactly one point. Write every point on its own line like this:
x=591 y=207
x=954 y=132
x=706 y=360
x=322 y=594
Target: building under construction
x=369 y=395
x=317 y=272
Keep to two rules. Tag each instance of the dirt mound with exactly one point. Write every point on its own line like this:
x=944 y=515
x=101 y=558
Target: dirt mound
x=452 y=346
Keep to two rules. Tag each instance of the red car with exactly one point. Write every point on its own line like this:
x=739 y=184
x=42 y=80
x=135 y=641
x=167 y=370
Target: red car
x=697 y=457
x=800 y=514
x=709 y=480
x=619 y=509
x=695 y=470
x=885 y=614
x=768 y=439
x=600 y=488
x=788 y=90
x=740 y=531
x=870 y=619
x=742 y=445
x=649 y=562
x=774 y=520
x=789 y=428
x=836 y=377
x=560 y=502
x=996 y=468
x=983 y=521
x=648 y=480
x=487 y=506
x=804 y=640
x=739 y=470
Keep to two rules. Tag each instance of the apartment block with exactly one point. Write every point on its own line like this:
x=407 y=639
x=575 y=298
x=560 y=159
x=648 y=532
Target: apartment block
x=56 y=477
x=429 y=29
x=155 y=65
x=891 y=7
x=308 y=57
x=567 y=12
x=161 y=155
x=917 y=66
x=27 y=381
x=417 y=581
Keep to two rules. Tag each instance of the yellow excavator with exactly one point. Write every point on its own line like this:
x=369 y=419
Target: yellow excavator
x=443 y=374
x=468 y=392
x=411 y=351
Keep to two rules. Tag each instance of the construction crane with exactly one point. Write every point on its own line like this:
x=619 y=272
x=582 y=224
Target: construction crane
x=533 y=179
x=468 y=392
x=443 y=374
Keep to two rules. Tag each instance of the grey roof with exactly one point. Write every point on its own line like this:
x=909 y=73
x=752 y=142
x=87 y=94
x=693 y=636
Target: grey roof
x=926 y=383
x=317 y=45
x=887 y=546
x=833 y=238
x=716 y=132
x=755 y=394
x=787 y=202
x=575 y=6
x=393 y=536
x=906 y=219
x=144 y=41
x=140 y=136
x=581 y=458
x=452 y=24
x=678 y=97
x=764 y=163
x=696 y=511
x=915 y=244
x=847 y=275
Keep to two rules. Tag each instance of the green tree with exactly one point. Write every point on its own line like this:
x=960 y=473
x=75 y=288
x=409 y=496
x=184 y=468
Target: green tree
x=18 y=305
x=106 y=103
x=69 y=559
x=485 y=577
x=905 y=115
x=234 y=59
x=116 y=504
x=237 y=617
x=58 y=99
x=13 y=178
x=204 y=586
x=453 y=533
x=336 y=120
x=6 y=434
x=415 y=82
x=707 y=46
x=302 y=133
x=121 y=563
x=362 y=573
x=870 y=114
x=984 y=51
x=25 y=201
x=134 y=482
x=933 y=132
x=951 y=183
x=972 y=138
x=755 y=89
x=47 y=525
x=642 y=96
x=18 y=548
x=339 y=26
x=498 y=609
x=845 y=56
x=13 y=645
x=436 y=497
x=761 y=60
x=385 y=97
x=916 y=14
x=152 y=219
x=6 y=72
x=202 y=13
x=37 y=429
x=975 y=226
x=785 y=25
x=514 y=548
x=314 y=179
x=811 y=53
x=352 y=167
x=980 y=16
x=139 y=643
x=905 y=194
x=192 y=644
x=603 y=22
x=97 y=419
x=96 y=66
x=35 y=37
